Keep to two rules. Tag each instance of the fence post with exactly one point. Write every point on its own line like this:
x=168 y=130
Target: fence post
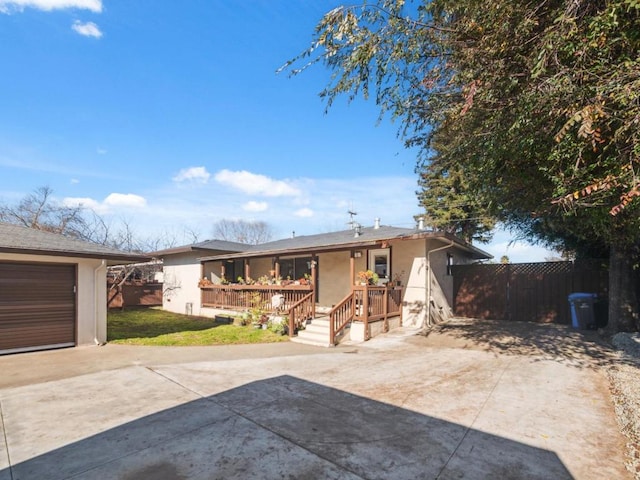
x=332 y=329
x=291 y=321
x=365 y=311
x=385 y=308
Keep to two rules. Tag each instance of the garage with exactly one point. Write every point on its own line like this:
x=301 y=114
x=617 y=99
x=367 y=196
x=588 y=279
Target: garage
x=37 y=306
x=53 y=289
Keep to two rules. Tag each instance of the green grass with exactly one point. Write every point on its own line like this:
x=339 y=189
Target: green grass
x=148 y=326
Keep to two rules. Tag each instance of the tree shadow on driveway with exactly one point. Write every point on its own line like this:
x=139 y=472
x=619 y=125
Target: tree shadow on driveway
x=581 y=348
x=285 y=427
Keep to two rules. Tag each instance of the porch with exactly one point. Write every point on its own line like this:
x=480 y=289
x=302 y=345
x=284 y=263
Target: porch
x=367 y=309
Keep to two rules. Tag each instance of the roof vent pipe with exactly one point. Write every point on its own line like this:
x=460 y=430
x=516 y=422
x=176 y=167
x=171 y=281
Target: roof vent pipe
x=421 y=223
x=293 y=234
x=357 y=231
x=376 y=223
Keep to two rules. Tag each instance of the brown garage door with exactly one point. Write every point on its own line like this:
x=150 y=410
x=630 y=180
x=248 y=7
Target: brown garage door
x=37 y=306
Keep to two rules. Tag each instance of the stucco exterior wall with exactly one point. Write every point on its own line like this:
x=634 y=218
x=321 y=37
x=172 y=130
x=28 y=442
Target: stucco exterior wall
x=91 y=296
x=410 y=256
x=180 y=291
x=334 y=278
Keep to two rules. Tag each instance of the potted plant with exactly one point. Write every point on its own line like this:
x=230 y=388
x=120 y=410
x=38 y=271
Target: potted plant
x=397 y=279
x=368 y=277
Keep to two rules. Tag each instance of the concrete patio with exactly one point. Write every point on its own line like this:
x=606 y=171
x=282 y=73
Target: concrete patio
x=399 y=406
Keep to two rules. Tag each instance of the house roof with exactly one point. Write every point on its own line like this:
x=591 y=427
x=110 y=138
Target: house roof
x=18 y=239
x=369 y=236
x=208 y=246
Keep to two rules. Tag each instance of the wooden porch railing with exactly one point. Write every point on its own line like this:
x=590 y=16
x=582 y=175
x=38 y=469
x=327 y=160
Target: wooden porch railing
x=341 y=315
x=300 y=312
x=365 y=304
x=241 y=297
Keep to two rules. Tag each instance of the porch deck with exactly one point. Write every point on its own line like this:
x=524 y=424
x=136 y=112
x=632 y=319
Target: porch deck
x=365 y=303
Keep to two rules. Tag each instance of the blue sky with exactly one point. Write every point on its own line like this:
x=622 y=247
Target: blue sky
x=170 y=116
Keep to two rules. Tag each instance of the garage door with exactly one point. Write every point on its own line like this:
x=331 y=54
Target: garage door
x=37 y=306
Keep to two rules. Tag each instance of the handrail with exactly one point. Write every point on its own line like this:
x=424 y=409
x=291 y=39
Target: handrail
x=365 y=304
x=341 y=315
x=305 y=308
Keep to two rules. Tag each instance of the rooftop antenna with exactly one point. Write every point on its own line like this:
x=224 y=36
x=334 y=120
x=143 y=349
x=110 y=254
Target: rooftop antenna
x=352 y=221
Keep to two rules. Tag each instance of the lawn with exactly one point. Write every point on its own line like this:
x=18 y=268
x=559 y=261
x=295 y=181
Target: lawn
x=148 y=326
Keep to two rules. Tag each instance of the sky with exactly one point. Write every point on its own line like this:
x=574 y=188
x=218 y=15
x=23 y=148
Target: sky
x=171 y=116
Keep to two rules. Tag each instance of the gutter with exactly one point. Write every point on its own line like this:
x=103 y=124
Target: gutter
x=103 y=264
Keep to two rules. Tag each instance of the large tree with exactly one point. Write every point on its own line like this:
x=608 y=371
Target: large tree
x=524 y=112
x=40 y=211
x=243 y=231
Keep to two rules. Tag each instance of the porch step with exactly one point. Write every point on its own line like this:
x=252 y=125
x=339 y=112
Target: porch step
x=315 y=333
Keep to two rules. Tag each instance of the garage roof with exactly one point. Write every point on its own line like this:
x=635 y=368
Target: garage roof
x=17 y=239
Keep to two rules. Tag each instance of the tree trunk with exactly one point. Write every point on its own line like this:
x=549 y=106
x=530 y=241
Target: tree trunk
x=623 y=297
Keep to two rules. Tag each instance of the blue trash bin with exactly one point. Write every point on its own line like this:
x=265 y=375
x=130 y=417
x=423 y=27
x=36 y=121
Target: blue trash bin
x=582 y=312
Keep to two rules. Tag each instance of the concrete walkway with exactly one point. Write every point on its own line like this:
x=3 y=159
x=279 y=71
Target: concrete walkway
x=396 y=407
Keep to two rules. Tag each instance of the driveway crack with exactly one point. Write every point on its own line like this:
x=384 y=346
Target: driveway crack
x=473 y=422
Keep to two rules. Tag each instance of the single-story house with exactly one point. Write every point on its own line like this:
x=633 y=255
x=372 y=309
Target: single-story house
x=53 y=289
x=412 y=270
x=182 y=270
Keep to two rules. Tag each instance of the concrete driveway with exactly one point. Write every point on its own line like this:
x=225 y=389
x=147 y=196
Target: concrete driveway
x=459 y=403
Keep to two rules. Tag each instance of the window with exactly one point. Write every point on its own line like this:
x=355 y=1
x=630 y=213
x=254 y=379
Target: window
x=233 y=269
x=449 y=264
x=379 y=263
x=295 y=268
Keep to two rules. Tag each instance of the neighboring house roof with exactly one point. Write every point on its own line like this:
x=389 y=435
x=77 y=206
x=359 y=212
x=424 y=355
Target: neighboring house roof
x=208 y=246
x=369 y=236
x=17 y=239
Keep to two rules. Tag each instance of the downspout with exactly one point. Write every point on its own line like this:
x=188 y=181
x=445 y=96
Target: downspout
x=95 y=302
x=428 y=280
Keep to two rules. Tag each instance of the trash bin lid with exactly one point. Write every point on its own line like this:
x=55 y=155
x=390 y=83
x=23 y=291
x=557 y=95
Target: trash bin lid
x=582 y=296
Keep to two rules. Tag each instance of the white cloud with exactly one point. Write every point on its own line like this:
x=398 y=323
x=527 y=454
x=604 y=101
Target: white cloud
x=82 y=202
x=101 y=151
x=87 y=29
x=113 y=201
x=74 y=181
x=125 y=200
x=255 y=184
x=8 y=6
x=253 y=206
x=193 y=174
x=304 y=213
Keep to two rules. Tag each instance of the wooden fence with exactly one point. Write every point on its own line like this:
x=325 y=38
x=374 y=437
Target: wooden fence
x=134 y=295
x=533 y=292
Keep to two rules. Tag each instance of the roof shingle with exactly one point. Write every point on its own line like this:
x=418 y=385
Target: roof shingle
x=18 y=239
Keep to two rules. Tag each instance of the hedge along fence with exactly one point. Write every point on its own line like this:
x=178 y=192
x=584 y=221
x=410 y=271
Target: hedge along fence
x=134 y=294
